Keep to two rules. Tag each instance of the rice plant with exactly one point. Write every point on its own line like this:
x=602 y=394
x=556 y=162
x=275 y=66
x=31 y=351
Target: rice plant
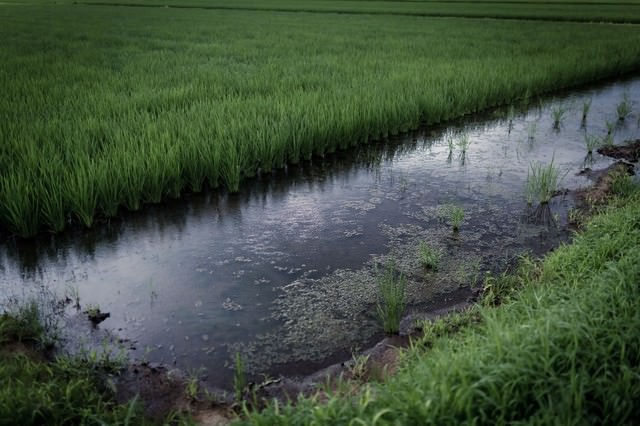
x=592 y=142
x=391 y=298
x=623 y=108
x=542 y=182
x=82 y=139
x=452 y=213
x=586 y=106
x=558 y=114
x=429 y=256
x=239 y=377
x=531 y=131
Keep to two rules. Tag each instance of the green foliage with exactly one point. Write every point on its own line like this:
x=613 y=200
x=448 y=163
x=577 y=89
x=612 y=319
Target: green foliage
x=429 y=257
x=586 y=106
x=592 y=142
x=453 y=213
x=239 y=378
x=98 y=117
x=558 y=113
x=542 y=182
x=623 y=109
x=391 y=298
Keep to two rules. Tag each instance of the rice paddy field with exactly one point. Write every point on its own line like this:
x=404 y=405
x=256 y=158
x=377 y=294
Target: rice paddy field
x=106 y=108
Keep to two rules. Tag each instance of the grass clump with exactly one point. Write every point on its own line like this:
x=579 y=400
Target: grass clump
x=558 y=114
x=586 y=106
x=623 y=109
x=391 y=298
x=239 y=378
x=592 y=142
x=542 y=182
x=453 y=213
x=561 y=347
x=429 y=256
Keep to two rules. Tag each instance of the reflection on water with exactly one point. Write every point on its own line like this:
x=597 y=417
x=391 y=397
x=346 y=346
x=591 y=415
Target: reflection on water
x=284 y=272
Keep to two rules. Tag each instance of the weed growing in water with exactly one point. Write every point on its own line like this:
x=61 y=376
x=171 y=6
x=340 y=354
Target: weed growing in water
x=454 y=213
x=463 y=143
x=450 y=144
x=531 y=131
x=391 y=298
x=592 y=142
x=542 y=182
x=586 y=106
x=239 y=377
x=510 y=116
x=558 y=115
x=191 y=386
x=623 y=109
x=429 y=257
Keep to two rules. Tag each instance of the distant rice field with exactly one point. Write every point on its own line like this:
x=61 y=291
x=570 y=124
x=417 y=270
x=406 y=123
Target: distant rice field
x=109 y=107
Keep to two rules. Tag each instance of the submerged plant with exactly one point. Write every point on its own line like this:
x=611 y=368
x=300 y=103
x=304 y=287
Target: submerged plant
x=391 y=298
x=429 y=257
x=558 y=115
x=542 y=182
x=623 y=109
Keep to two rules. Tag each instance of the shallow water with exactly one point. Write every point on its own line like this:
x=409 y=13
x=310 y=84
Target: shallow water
x=284 y=272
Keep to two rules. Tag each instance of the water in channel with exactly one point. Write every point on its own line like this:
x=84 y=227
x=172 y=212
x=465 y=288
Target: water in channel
x=284 y=272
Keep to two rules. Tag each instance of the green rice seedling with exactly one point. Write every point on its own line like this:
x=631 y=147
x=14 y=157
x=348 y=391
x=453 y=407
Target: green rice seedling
x=558 y=113
x=592 y=142
x=429 y=257
x=450 y=143
x=542 y=182
x=239 y=378
x=391 y=298
x=586 y=106
x=511 y=114
x=623 y=109
x=19 y=208
x=463 y=143
x=453 y=213
x=81 y=191
x=611 y=131
x=531 y=131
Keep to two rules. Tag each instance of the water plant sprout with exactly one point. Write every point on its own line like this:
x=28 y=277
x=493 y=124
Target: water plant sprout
x=542 y=182
x=558 y=115
x=586 y=106
x=592 y=142
x=623 y=109
x=239 y=377
x=531 y=131
x=391 y=298
x=452 y=212
x=429 y=256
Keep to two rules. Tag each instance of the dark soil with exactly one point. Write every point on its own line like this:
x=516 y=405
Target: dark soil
x=629 y=152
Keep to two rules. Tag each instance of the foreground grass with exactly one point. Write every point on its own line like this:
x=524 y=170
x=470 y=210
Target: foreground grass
x=106 y=108
x=562 y=348
x=36 y=391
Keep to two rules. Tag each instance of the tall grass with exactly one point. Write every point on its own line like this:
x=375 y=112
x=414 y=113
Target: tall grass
x=542 y=182
x=99 y=117
x=391 y=298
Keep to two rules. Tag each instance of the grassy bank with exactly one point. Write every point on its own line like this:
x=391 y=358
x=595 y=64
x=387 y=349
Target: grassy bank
x=563 y=347
x=106 y=108
x=38 y=391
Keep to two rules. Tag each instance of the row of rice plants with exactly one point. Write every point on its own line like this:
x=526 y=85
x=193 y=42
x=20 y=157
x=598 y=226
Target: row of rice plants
x=109 y=108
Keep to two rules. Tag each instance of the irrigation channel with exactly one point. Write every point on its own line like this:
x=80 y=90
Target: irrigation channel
x=284 y=272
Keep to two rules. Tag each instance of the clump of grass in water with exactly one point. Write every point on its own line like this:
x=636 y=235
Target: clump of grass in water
x=586 y=106
x=623 y=109
x=450 y=145
x=391 y=298
x=611 y=131
x=542 y=182
x=592 y=142
x=531 y=131
x=558 y=115
x=429 y=257
x=454 y=213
